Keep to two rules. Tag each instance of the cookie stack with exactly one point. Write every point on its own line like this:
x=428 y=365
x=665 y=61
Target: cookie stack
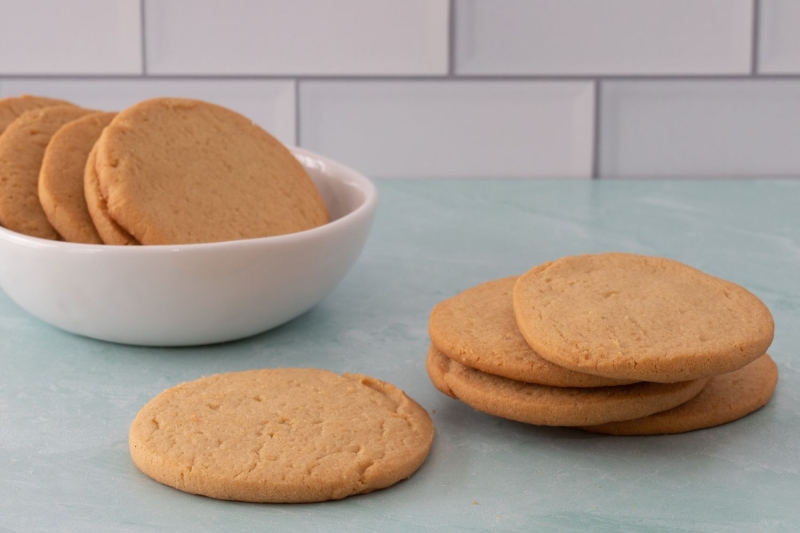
x=164 y=171
x=611 y=343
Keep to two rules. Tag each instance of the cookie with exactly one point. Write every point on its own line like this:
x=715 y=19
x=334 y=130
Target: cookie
x=628 y=316
x=554 y=406
x=281 y=435
x=109 y=231
x=61 y=178
x=22 y=148
x=437 y=364
x=176 y=171
x=724 y=399
x=12 y=108
x=478 y=329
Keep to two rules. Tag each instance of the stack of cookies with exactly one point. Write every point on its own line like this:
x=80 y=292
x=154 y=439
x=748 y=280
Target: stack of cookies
x=610 y=343
x=164 y=171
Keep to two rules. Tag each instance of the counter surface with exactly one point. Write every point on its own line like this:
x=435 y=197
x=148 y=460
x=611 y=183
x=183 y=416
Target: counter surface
x=66 y=402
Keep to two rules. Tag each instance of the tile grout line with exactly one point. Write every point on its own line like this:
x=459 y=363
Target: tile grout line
x=596 y=131
x=451 y=40
x=755 y=36
x=415 y=78
x=297 y=112
x=143 y=41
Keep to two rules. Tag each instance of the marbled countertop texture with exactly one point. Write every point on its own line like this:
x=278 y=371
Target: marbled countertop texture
x=66 y=402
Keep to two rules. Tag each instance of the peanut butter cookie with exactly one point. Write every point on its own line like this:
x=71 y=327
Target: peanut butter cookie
x=635 y=317
x=724 y=399
x=554 y=406
x=281 y=435
x=62 y=175
x=177 y=171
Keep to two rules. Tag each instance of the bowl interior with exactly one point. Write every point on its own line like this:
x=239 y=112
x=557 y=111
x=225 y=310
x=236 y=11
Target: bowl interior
x=342 y=190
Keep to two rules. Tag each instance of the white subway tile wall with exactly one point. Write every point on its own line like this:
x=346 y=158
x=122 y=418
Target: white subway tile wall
x=70 y=37
x=701 y=128
x=779 y=28
x=347 y=37
x=608 y=37
x=420 y=129
x=447 y=88
x=268 y=103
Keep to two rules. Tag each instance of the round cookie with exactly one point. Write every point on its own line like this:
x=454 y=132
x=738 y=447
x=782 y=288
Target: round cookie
x=554 y=406
x=724 y=399
x=62 y=174
x=11 y=108
x=478 y=329
x=22 y=148
x=437 y=364
x=281 y=435
x=109 y=231
x=176 y=171
x=628 y=316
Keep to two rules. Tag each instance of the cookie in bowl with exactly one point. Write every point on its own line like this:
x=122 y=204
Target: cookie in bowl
x=22 y=148
x=180 y=171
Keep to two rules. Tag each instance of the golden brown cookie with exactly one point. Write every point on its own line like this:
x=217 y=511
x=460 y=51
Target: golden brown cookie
x=628 y=316
x=724 y=399
x=12 y=108
x=62 y=174
x=22 y=148
x=437 y=364
x=281 y=435
x=176 y=171
x=109 y=231
x=478 y=329
x=554 y=406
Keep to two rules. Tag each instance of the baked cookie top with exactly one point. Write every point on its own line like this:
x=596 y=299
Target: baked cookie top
x=281 y=435
x=11 y=108
x=627 y=316
x=554 y=406
x=22 y=148
x=62 y=174
x=177 y=171
x=477 y=328
x=724 y=399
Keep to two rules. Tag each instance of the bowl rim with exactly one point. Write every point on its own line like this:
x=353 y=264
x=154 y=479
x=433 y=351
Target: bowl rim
x=353 y=176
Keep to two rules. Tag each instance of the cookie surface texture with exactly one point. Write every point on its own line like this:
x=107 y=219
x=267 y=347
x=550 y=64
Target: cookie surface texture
x=176 y=171
x=281 y=435
x=11 y=108
x=62 y=175
x=109 y=231
x=22 y=148
x=555 y=406
x=478 y=329
x=629 y=316
x=724 y=399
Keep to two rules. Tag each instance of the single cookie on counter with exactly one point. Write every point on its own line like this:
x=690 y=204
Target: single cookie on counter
x=554 y=406
x=281 y=435
x=725 y=398
x=62 y=175
x=178 y=171
x=22 y=148
x=11 y=108
x=478 y=329
x=109 y=231
x=627 y=316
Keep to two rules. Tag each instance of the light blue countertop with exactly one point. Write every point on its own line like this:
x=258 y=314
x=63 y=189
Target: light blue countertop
x=66 y=402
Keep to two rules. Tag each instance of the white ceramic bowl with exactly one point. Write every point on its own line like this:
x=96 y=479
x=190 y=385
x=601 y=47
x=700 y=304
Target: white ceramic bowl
x=197 y=293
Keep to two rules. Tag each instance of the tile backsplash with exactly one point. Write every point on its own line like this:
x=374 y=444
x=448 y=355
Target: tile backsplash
x=447 y=88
